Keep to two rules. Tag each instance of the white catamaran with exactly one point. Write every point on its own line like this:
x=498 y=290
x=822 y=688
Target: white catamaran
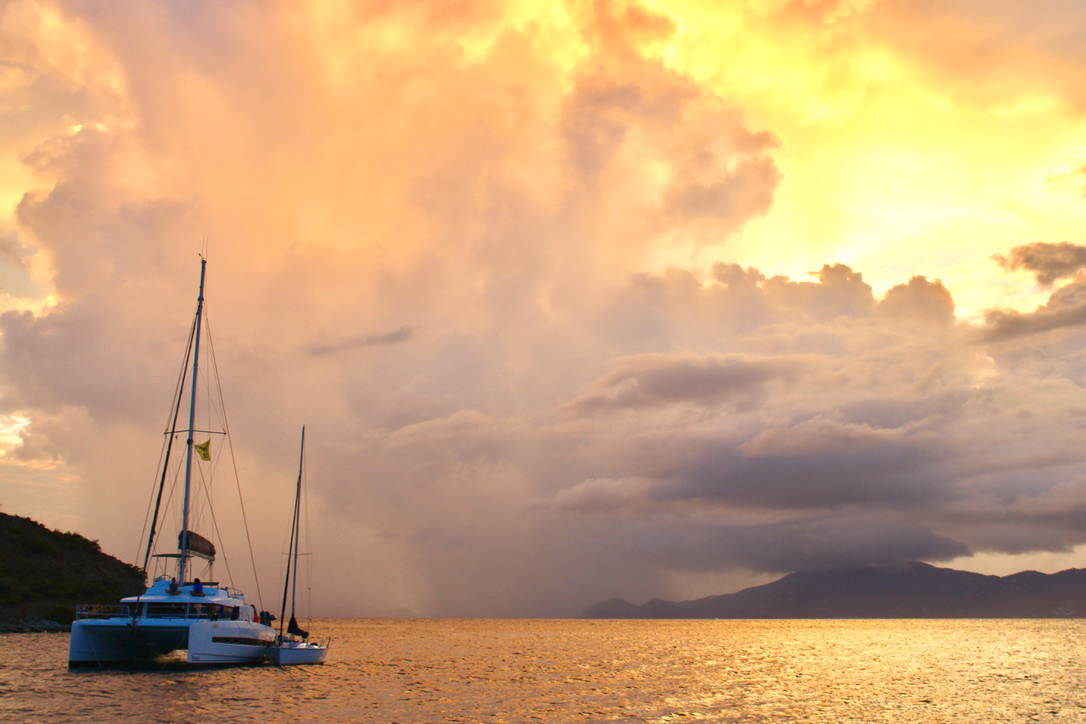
x=294 y=646
x=216 y=624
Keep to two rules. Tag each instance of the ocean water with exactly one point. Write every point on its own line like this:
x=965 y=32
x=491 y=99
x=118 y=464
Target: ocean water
x=574 y=670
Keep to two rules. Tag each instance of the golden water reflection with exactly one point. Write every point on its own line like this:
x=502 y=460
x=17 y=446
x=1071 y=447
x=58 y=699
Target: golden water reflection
x=556 y=670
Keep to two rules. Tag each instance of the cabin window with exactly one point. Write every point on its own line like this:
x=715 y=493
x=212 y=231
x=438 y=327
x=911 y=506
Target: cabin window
x=166 y=610
x=236 y=640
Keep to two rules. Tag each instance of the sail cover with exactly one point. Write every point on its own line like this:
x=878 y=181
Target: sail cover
x=198 y=545
x=295 y=629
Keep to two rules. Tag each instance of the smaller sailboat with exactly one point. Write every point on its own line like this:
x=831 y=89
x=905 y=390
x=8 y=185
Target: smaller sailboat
x=293 y=646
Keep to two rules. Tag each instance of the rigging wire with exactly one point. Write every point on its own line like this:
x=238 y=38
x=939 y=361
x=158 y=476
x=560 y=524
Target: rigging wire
x=308 y=548
x=218 y=535
x=169 y=496
x=164 y=453
x=234 y=462
x=206 y=480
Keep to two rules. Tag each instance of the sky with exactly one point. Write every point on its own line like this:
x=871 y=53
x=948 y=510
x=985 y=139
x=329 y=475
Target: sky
x=576 y=300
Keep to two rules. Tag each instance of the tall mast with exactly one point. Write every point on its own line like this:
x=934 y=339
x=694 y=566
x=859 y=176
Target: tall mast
x=192 y=418
x=292 y=550
x=297 y=526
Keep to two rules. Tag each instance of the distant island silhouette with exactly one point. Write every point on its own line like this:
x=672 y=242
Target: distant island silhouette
x=45 y=573
x=913 y=590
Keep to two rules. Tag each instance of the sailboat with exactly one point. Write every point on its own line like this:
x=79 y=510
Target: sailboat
x=215 y=624
x=293 y=646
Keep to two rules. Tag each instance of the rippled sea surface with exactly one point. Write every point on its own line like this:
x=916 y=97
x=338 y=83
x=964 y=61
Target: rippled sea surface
x=563 y=670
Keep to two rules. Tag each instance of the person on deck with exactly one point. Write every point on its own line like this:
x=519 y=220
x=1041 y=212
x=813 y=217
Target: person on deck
x=197 y=587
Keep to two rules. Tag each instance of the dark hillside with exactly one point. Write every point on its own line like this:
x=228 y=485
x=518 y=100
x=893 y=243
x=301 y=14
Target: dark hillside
x=44 y=573
x=917 y=590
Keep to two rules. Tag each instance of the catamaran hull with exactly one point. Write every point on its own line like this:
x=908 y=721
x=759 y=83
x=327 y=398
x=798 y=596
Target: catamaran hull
x=297 y=653
x=98 y=642
x=229 y=642
x=122 y=640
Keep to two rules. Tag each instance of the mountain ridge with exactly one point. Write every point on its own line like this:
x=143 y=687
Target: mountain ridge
x=913 y=590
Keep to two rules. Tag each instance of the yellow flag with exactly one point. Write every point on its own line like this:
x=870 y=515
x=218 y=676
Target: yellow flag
x=203 y=450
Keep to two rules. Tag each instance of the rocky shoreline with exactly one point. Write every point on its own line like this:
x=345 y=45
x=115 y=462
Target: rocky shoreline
x=35 y=626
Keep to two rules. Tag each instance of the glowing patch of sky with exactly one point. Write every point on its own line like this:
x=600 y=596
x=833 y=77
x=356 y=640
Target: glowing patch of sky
x=882 y=170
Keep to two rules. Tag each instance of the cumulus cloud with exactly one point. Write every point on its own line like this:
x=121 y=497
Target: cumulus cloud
x=920 y=300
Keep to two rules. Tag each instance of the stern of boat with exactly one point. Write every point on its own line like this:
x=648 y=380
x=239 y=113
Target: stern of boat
x=229 y=642
x=295 y=653
x=102 y=637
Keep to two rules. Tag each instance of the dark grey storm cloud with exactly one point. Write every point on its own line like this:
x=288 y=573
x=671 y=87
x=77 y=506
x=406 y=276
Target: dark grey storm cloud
x=655 y=381
x=844 y=467
x=1002 y=325
x=396 y=336
x=1049 y=262
x=818 y=542
x=815 y=464
x=884 y=438
x=1066 y=308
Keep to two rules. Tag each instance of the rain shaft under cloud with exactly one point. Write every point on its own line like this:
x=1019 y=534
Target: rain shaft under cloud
x=571 y=307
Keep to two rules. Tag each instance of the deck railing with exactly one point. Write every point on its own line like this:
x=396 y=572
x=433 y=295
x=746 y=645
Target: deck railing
x=152 y=610
x=101 y=610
